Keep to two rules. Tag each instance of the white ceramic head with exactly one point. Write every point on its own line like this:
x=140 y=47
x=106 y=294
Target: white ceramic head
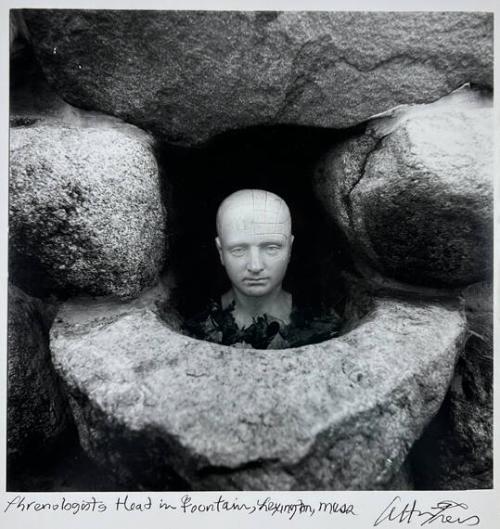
x=254 y=240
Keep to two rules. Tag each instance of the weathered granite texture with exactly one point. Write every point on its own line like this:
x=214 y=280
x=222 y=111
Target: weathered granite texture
x=456 y=451
x=86 y=205
x=37 y=410
x=152 y=405
x=414 y=194
x=187 y=76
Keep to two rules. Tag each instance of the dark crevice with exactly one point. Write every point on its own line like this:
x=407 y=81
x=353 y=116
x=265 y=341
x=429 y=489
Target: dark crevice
x=279 y=159
x=258 y=465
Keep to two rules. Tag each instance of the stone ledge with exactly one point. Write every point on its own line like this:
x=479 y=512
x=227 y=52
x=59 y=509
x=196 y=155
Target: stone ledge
x=199 y=74
x=151 y=403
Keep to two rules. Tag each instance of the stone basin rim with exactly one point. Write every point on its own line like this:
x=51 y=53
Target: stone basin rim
x=263 y=381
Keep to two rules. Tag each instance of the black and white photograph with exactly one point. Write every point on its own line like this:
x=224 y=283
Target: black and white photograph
x=250 y=250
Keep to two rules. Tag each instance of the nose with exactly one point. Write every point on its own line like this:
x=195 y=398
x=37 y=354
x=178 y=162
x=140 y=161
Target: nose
x=255 y=264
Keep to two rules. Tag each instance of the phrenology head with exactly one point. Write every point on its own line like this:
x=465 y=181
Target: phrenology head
x=254 y=240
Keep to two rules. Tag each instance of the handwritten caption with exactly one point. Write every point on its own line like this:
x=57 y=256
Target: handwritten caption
x=396 y=512
x=185 y=505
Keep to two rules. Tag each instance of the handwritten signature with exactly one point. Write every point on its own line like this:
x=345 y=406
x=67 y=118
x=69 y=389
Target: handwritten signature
x=445 y=511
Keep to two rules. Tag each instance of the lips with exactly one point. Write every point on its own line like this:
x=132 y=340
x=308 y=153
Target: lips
x=255 y=281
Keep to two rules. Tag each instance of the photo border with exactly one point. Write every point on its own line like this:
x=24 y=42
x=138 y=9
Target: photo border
x=485 y=502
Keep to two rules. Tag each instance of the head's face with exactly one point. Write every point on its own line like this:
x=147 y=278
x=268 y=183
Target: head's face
x=254 y=241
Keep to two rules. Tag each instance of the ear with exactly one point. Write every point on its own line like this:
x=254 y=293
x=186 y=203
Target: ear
x=290 y=247
x=219 y=249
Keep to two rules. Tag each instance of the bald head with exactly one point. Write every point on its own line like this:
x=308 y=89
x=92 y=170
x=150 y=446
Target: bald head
x=254 y=240
x=254 y=211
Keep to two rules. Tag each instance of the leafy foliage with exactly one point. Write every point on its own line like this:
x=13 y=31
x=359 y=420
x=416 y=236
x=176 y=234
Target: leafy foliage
x=217 y=324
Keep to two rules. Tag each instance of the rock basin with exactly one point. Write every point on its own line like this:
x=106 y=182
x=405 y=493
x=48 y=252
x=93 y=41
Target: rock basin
x=163 y=411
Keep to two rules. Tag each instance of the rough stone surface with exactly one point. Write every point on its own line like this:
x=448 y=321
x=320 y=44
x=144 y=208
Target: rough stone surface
x=153 y=405
x=37 y=413
x=190 y=75
x=456 y=451
x=414 y=194
x=85 y=204
x=32 y=99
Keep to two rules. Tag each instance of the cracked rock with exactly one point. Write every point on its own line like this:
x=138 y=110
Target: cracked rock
x=158 y=408
x=414 y=194
x=187 y=76
x=85 y=206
